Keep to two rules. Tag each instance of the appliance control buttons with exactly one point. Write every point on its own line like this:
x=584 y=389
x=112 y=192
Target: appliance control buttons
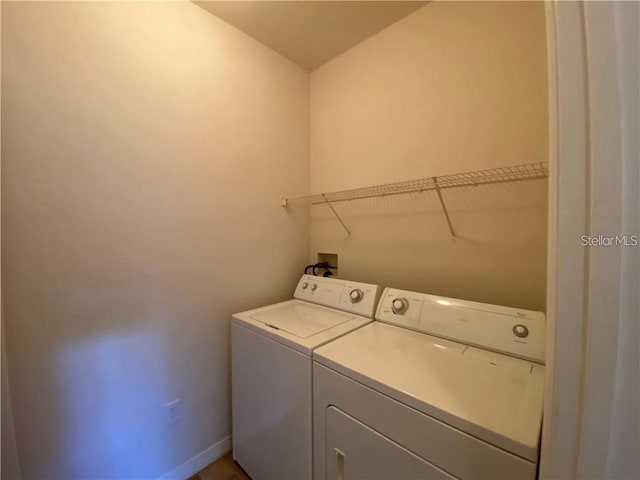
x=314 y=287
x=399 y=305
x=520 y=330
x=305 y=285
x=356 y=295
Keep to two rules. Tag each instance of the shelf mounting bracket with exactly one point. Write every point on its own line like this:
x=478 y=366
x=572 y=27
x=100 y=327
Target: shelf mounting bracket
x=326 y=200
x=444 y=208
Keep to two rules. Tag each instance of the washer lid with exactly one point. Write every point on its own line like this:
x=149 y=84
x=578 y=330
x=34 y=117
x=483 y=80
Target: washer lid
x=491 y=396
x=302 y=320
x=299 y=325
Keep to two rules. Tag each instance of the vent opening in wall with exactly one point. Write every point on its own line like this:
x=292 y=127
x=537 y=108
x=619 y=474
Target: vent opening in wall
x=331 y=259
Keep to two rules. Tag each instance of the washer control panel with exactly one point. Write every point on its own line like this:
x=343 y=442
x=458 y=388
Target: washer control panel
x=507 y=330
x=356 y=297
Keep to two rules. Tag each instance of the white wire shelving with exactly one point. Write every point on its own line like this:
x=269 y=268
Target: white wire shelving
x=516 y=173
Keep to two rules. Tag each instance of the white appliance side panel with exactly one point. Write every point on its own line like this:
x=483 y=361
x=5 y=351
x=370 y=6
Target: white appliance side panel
x=452 y=450
x=355 y=450
x=271 y=396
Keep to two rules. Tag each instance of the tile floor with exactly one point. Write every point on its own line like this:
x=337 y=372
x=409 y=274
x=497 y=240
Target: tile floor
x=223 y=469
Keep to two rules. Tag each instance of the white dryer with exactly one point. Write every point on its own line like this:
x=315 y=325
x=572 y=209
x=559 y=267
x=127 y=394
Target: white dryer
x=437 y=388
x=272 y=372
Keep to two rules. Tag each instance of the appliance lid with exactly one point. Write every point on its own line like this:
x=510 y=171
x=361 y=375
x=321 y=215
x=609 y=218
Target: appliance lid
x=491 y=396
x=302 y=320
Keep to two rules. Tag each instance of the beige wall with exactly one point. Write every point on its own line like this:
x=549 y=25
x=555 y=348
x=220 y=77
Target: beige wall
x=9 y=466
x=144 y=148
x=452 y=87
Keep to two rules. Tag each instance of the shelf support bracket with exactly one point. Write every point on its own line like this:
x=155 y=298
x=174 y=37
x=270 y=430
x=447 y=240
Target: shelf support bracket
x=326 y=200
x=444 y=207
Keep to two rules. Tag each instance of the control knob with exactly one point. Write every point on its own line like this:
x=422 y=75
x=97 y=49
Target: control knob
x=314 y=287
x=305 y=285
x=356 y=295
x=520 y=331
x=399 y=305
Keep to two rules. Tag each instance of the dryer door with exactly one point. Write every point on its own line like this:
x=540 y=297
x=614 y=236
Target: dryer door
x=356 y=451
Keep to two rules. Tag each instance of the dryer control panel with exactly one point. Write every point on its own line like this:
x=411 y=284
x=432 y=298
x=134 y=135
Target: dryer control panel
x=355 y=297
x=513 y=331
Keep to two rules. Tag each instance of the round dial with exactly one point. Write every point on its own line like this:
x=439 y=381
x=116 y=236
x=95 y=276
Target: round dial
x=356 y=295
x=520 y=331
x=305 y=285
x=399 y=305
x=314 y=287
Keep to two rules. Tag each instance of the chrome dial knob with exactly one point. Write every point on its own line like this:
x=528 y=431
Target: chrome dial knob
x=356 y=295
x=314 y=287
x=399 y=305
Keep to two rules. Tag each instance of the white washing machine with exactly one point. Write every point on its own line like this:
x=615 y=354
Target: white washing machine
x=436 y=388
x=272 y=372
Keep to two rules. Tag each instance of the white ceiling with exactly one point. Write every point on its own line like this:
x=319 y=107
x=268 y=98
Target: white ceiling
x=310 y=32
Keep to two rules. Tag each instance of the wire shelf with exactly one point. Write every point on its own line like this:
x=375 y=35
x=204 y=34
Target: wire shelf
x=529 y=171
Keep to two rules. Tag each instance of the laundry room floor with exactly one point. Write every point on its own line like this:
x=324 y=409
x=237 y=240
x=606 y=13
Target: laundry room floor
x=223 y=469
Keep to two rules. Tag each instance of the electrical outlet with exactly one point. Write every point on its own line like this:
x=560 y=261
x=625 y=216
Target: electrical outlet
x=174 y=411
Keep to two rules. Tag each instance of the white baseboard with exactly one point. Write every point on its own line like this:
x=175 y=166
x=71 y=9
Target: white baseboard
x=197 y=463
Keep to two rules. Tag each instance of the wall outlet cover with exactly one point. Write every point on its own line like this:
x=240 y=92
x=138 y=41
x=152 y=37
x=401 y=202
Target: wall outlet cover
x=173 y=411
